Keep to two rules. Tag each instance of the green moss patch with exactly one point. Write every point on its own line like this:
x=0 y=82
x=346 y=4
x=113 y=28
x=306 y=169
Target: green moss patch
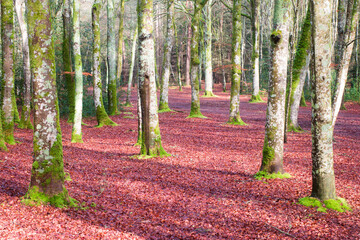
x=256 y=99
x=339 y=204
x=236 y=121
x=262 y=174
x=198 y=115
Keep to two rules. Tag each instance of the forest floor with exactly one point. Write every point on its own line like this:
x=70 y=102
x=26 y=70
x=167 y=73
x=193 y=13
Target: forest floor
x=205 y=190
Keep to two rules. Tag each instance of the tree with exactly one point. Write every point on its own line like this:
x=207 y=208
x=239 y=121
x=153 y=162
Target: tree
x=272 y=160
x=25 y=121
x=101 y=115
x=76 y=136
x=188 y=49
x=346 y=46
x=323 y=178
x=195 y=60
x=67 y=62
x=132 y=64
x=151 y=139
x=164 y=90
x=8 y=91
x=299 y=70
x=255 y=26
x=121 y=42
x=234 y=117
x=208 y=50
x=47 y=174
x=111 y=58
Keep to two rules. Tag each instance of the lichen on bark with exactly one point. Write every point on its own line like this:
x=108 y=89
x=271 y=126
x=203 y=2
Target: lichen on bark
x=47 y=174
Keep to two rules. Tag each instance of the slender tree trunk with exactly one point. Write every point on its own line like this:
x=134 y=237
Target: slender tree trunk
x=164 y=90
x=101 y=115
x=8 y=106
x=25 y=122
x=139 y=113
x=47 y=174
x=76 y=136
x=132 y=64
x=208 y=51
x=350 y=31
x=111 y=58
x=299 y=69
x=221 y=47
x=66 y=54
x=234 y=117
x=188 y=50
x=323 y=186
x=151 y=139
x=255 y=23
x=178 y=55
x=120 y=43
x=195 y=60
x=272 y=160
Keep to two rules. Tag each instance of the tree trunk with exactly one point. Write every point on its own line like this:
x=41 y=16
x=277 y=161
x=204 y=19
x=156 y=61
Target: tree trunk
x=221 y=47
x=101 y=115
x=272 y=160
x=76 y=136
x=346 y=51
x=151 y=139
x=25 y=122
x=120 y=43
x=132 y=64
x=164 y=90
x=208 y=51
x=8 y=90
x=299 y=70
x=323 y=186
x=47 y=174
x=66 y=54
x=255 y=24
x=188 y=50
x=111 y=58
x=195 y=60
x=234 y=117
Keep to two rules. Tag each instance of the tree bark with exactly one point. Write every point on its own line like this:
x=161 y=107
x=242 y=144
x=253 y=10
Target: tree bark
x=323 y=179
x=101 y=115
x=120 y=43
x=8 y=91
x=47 y=174
x=25 y=122
x=272 y=160
x=188 y=50
x=76 y=136
x=111 y=58
x=164 y=89
x=234 y=117
x=208 y=51
x=151 y=139
x=132 y=64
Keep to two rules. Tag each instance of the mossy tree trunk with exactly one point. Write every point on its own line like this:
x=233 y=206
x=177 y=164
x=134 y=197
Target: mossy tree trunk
x=47 y=174
x=272 y=159
x=208 y=50
x=188 y=49
x=352 y=18
x=151 y=139
x=8 y=106
x=101 y=115
x=25 y=122
x=111 y=58
x=132 y=64
x=221 y=38
x=299 y=70
x=76 y=136
x=178 y=54
x=121 y=42
x=164 y=89
x=195 y=59
x=67 y=62
x=255 y=26
x=323 y=178
x=234 y=117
